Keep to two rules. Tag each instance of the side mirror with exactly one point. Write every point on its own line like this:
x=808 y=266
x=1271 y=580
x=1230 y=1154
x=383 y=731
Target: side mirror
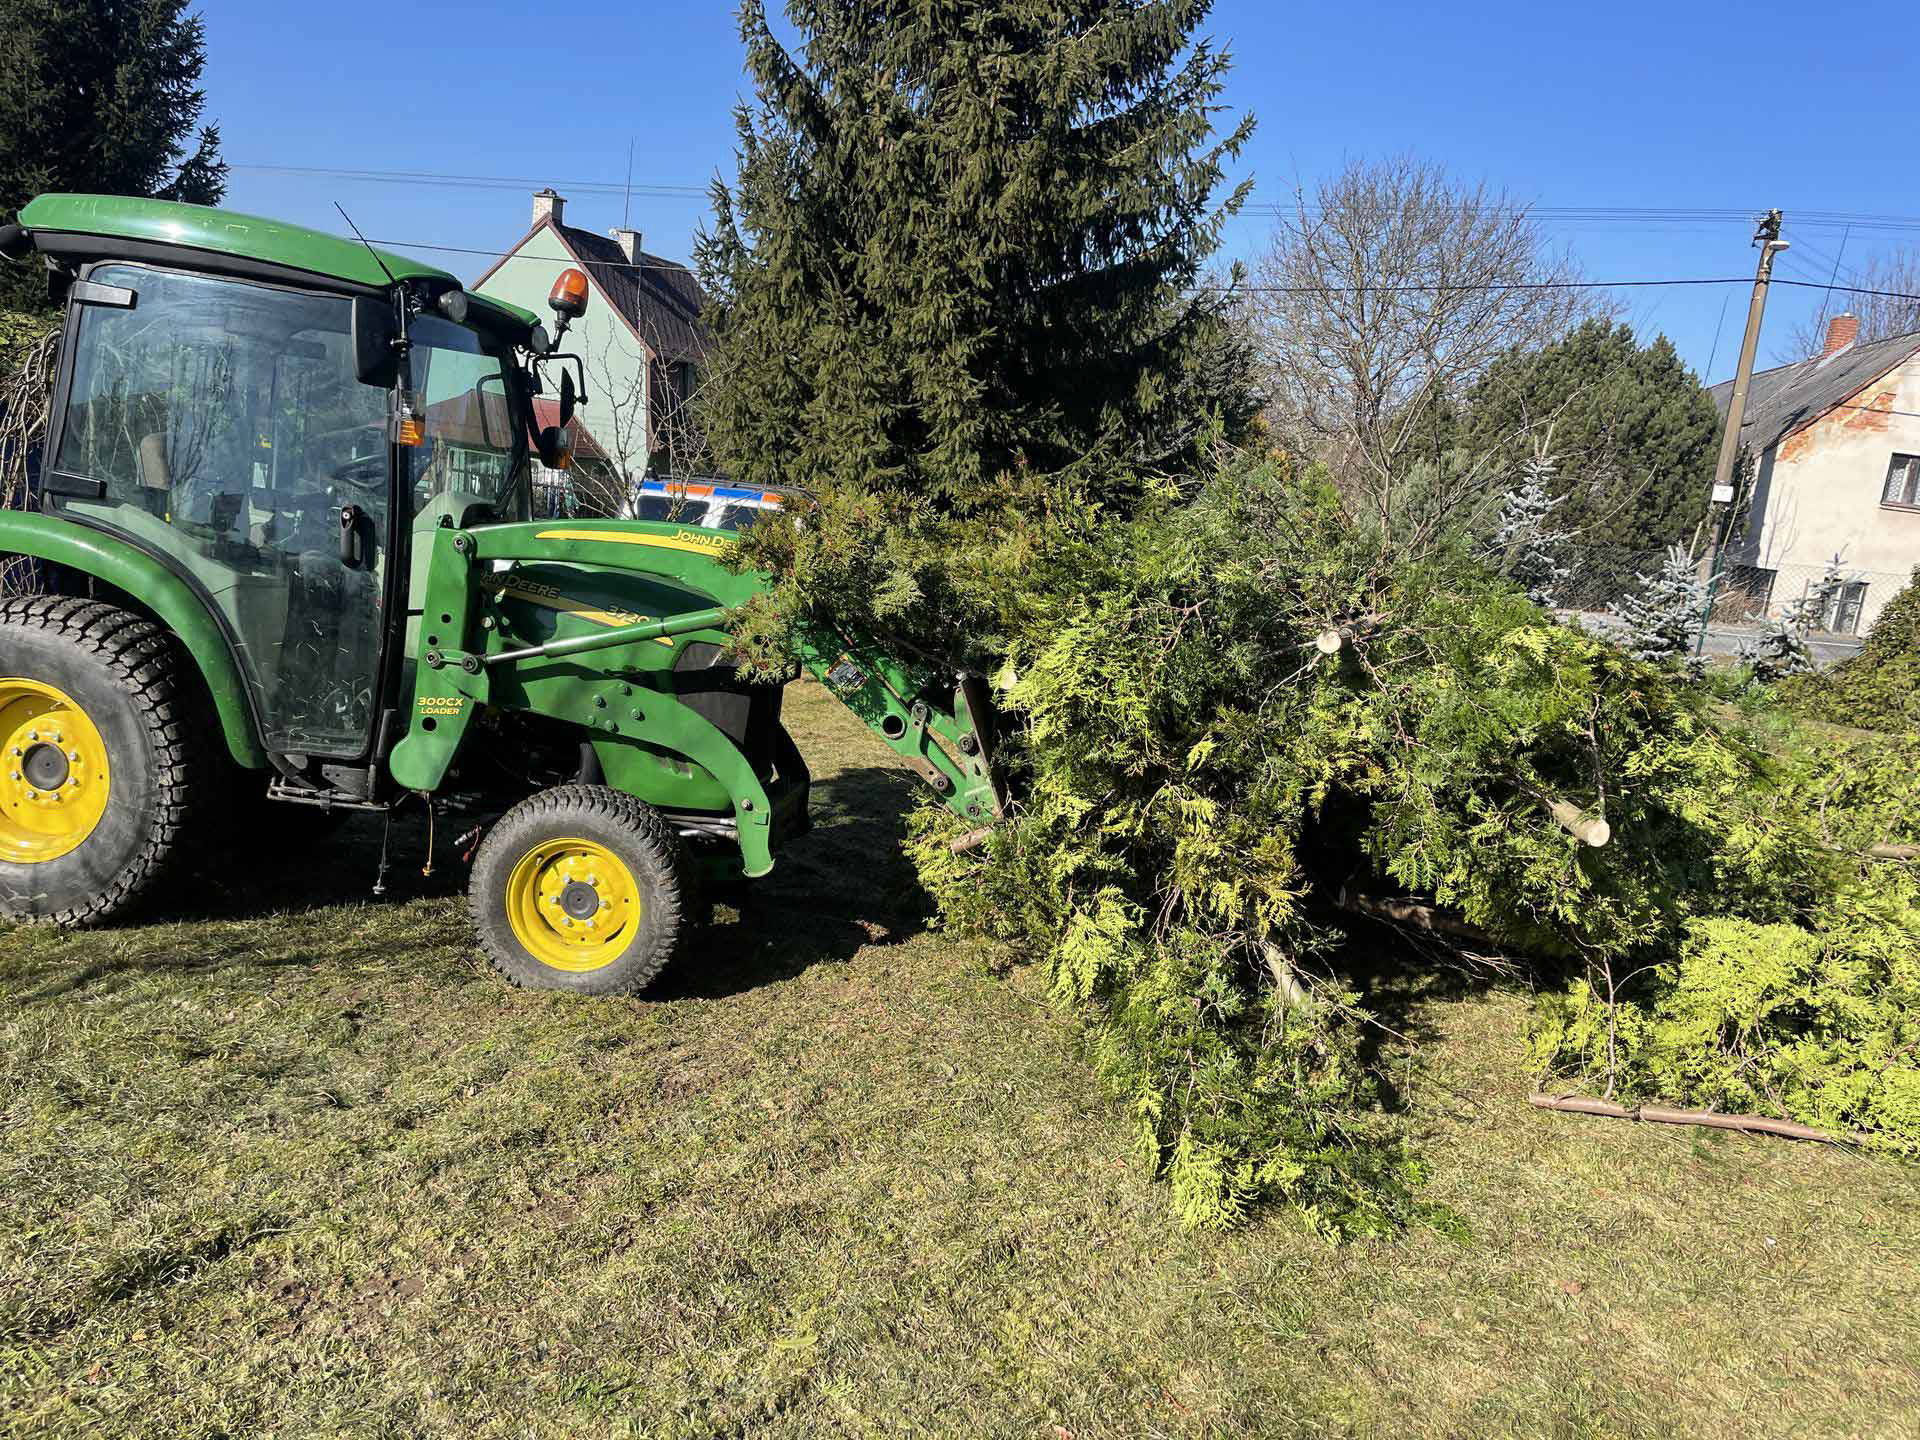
x=552 y=446
x=568 y=399
x=376 y=343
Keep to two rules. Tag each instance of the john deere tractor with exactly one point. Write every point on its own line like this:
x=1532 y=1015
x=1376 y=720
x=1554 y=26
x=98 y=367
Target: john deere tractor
x=286 y=561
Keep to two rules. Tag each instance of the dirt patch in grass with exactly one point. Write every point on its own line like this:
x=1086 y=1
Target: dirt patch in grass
x=298 y=1165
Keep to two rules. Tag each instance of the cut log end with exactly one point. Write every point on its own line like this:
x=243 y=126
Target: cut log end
x=972 y=840
x=1587 y=829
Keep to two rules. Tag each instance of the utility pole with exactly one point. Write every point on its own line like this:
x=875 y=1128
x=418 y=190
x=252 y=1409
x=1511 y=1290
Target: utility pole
x=1766 y=235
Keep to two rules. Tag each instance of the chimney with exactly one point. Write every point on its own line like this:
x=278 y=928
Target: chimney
x=1842 y=331
x=629 y=241
x=549 y=206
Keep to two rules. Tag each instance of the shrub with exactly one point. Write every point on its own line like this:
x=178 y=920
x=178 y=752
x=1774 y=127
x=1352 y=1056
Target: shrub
x=1878 y=689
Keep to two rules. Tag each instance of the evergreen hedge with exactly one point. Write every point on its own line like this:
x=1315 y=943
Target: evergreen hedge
x=955 y=300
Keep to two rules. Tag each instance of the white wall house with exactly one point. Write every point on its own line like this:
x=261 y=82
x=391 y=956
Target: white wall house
x=1834 y=443
x=640 y=340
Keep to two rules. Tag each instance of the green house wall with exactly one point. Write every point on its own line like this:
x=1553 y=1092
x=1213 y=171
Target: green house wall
x=604 y=340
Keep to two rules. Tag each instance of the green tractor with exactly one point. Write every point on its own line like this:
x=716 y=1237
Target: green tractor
x=286 y=556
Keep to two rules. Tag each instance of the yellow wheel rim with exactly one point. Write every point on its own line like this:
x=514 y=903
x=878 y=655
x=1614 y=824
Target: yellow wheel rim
x=54 y=779
x=573 y=904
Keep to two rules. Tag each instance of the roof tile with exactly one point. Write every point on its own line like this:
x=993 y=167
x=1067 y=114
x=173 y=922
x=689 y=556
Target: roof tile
x=1789 y=397
x=660 y=298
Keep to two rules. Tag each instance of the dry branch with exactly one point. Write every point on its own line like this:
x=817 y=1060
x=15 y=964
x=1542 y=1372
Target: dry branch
x=1662 y=1115
x=25 y=393
x=1416 y=915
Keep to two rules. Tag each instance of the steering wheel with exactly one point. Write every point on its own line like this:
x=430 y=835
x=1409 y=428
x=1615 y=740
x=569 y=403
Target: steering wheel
x=363 y=472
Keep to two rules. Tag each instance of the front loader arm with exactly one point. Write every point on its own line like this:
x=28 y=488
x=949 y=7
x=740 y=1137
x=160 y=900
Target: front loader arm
x=942 y=728
x=945 y=734
x=464 y=661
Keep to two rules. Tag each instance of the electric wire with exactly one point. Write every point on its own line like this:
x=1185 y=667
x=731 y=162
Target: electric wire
x=1513 y=285
x=659 y=189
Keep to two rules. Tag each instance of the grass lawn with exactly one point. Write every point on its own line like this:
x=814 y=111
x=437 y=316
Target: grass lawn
x=292 y=1162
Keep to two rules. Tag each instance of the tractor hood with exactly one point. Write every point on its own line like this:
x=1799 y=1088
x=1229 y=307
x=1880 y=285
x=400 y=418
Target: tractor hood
x=540 y=601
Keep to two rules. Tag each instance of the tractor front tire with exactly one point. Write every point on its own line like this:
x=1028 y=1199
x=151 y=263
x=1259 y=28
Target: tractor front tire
x=581 y=888
x=102 y=755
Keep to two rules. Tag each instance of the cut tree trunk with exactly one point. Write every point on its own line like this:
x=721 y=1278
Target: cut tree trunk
x=1587 y=829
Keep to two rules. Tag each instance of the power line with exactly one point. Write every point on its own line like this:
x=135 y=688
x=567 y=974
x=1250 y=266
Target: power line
x=1467 y=289
x=1607 y=214
x=504 y=255
x=1851 y=289
x=1535 y=285
x=1515 y=285
x=480 y=182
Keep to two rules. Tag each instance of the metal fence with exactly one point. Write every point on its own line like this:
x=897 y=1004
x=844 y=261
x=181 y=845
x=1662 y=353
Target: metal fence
x=1832 y=599
x=1832 y=606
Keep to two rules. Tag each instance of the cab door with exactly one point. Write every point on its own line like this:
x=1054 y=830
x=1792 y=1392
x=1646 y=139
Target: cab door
x=218 y=425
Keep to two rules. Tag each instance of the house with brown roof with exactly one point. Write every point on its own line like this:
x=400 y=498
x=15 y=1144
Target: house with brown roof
x=640 y=342
x=1830 y=504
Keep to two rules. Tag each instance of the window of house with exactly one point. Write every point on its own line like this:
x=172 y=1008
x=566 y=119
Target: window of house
x=1903 y=482
x=1840 y=615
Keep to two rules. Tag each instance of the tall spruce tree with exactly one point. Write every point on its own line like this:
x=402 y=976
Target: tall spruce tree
x=101 y=95
x=952 y=294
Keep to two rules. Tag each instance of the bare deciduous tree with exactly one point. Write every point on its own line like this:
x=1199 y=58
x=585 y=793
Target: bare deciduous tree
x=680 y=445
x=1892 y=312
x=1383 y=296
x=644 y=421
x=618 y=418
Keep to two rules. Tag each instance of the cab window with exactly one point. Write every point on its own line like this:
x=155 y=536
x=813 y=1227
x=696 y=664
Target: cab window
x=474 y=447
x=224 y=430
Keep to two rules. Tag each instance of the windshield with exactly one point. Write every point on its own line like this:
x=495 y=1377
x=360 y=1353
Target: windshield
x=476 y=434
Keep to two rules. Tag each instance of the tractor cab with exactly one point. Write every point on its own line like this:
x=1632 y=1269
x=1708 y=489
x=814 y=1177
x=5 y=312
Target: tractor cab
x=278 y=431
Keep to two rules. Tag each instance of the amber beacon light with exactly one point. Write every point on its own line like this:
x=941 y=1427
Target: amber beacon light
x=569 y=294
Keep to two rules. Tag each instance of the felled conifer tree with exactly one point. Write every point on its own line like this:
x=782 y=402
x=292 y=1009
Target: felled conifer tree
x=952 y=300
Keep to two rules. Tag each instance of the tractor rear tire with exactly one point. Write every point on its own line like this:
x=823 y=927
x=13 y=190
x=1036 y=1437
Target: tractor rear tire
x=581 y=888
x=104 y=752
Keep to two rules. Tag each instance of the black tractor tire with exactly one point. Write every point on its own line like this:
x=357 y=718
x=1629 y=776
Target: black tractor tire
x=539 y=868
x=131 y=681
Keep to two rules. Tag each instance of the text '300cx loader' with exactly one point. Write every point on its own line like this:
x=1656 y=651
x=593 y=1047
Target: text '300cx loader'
x=284 y=551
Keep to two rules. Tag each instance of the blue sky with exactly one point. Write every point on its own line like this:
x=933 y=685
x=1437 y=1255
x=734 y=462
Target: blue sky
x=1690 y=106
